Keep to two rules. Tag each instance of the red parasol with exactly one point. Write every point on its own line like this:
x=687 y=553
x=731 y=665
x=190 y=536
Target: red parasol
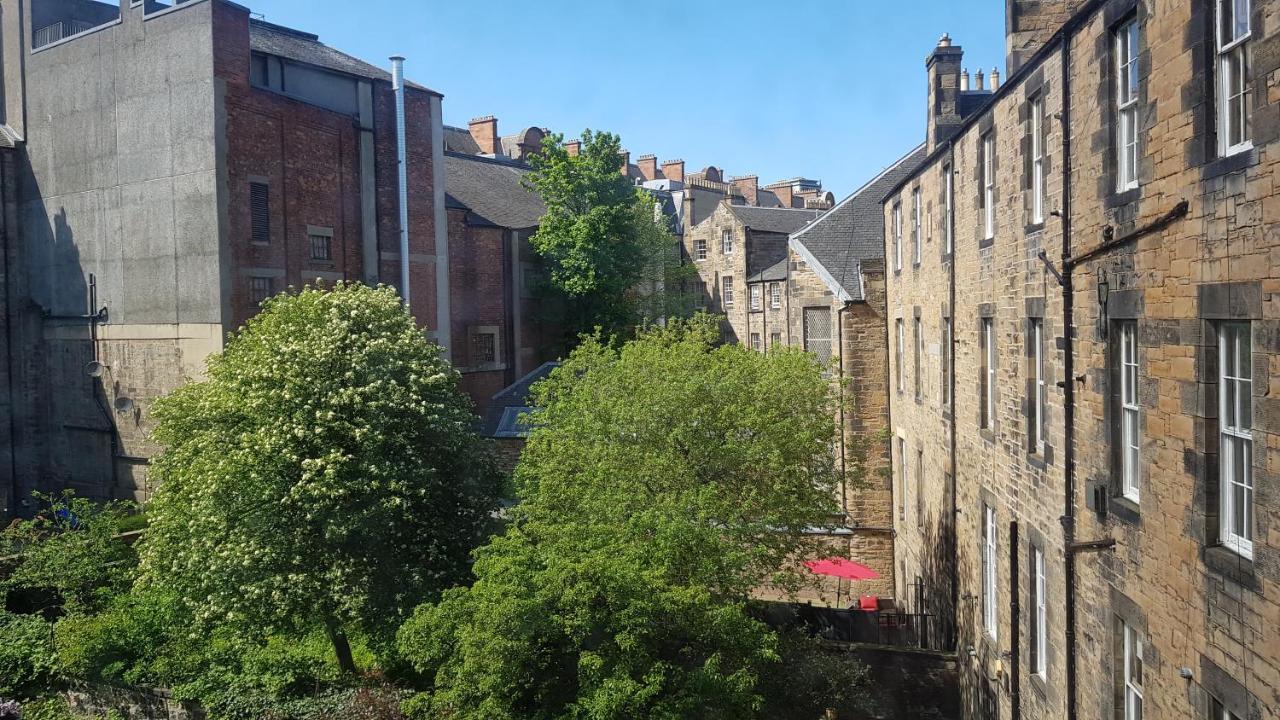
x=841 y=568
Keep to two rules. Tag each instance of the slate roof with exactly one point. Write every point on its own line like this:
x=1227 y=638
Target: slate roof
x=775 y=220
x=492 y=189
x=272 y=39
x=8 y=138
x=853 y=231
x=777 y=271
x=459 y=140
x=514 y=396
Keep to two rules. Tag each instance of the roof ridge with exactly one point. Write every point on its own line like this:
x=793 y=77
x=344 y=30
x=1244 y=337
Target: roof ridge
x=285 y=29
x=865 y=186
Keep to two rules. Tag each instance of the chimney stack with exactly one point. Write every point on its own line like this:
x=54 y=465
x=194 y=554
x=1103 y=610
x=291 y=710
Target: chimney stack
x=943 y=68
x=573 y=147
x=749 y=186
x=785 y=192
x=648 y=165
x=484 y=130
x=673 y=170
x=995 y=79
x=626 y=162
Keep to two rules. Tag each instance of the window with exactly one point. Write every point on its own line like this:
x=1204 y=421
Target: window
x=919 y=350
x=906 y=478
x=946 y=361
x=901 y=342
x=321 y=247
x=1038 y=386
x=1218 y=712
x=757 y=297
x=1037 y=161
x=817 y=332
x=920 y=487
x=726 y=292
x=775 y=339
x=259 y=213
x=484 y=348
x=1235 y=408
x=897 y=236
x=259 y=289
x=700 y=249
x=775 y=296
x=1130 y=442
x=1233 y=76
x=755 y=342
x=1039 y=624
x=949 y=200
x=989 y=571
x=989 y=186
x=916 y=240
x=1132 y=673
x=1126 y=40
x=726 y=242
x=987 y=382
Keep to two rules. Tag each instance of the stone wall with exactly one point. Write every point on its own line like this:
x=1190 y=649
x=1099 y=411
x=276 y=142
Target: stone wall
x=94 y=700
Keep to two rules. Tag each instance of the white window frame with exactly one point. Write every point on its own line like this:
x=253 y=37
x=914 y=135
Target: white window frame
x=946 y=361
x=1037 y=160
x=1235 y=413
x=918 y=343
x=726 y=290
x=757 y=297
x=1039 y=386
x=1128 y=89
x=1218 y=711
x=990 y=611
x=726 y=242
x=1040 y=619
x=1130 y=413
x=755 y=342
x=897 y=236
x=700 y=250
x=906 y=478
x=916 y=239
x=989 y=186
x=775 y=339
x=988 y=379
x=950 y=200
x=775 y=296
x=1233 y=86
x=1132 y=678
x=901 y=348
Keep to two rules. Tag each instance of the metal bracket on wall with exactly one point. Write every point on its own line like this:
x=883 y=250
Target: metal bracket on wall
x=1056 y=275
x=1091 y=545
x=100 y=316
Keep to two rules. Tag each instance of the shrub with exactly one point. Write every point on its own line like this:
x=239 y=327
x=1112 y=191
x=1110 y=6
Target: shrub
x=27 y=658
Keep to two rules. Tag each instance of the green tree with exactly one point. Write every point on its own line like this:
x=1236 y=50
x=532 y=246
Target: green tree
x=324 y=474
x=664 y=481
x=611 y=255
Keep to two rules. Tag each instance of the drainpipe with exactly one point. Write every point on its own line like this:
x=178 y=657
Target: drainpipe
x=1068 y=385
x=951 y=380
x=1015 y=616
x=397 y=87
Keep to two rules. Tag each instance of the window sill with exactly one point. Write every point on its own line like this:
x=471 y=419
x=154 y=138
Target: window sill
x=1036 y=460
x=1125 y=510
x=1035 y=227
x=1230 y=564
x=987 y=434
x=1123 y=197
x=1235 y=162
x=1038 y=683
x=986 y=242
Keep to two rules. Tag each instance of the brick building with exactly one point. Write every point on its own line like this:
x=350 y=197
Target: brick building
x=1083 y=327
x=178 y=164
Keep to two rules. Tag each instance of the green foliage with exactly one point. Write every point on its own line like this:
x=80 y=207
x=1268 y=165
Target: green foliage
x=611 y=256
x=664 y=481
x=813 y=679
x=323 y=475
x=27 y=658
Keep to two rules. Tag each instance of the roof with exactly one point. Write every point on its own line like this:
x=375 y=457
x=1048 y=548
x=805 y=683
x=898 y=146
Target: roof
x=514 y=397
x=493 y=190
x=8 y=138
x=775 y=220
x=459 y=140
x=777 y=271
x=272 y=39
x=836 y=245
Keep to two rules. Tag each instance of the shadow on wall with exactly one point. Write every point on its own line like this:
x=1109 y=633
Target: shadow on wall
x=931 y=593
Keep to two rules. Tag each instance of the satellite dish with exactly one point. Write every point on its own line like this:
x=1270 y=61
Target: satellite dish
x=95 y=369
x=123 y=404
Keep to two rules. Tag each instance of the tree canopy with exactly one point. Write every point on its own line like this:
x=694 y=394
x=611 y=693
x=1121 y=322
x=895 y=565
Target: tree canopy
x=664 y=480
x=324 y=473
x=610 y=254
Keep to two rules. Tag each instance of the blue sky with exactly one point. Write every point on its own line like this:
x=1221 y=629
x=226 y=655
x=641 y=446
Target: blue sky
x=827 y=89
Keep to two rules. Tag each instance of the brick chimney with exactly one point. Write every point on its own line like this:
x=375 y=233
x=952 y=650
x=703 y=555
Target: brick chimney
x=673 y=170
x=573 y=147
x=484 y=130
x=943 y=67
x=785 y=193
x=1030 y=23
x=648 y=165
x=625 y=155
x=749 y=186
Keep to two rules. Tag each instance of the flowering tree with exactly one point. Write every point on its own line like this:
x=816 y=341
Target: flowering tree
x=324 y=474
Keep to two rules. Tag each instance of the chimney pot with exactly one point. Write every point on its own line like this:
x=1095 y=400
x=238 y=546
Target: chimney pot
x=995 y=79
x=964 y=80
x=945 y=40
x=978 y=82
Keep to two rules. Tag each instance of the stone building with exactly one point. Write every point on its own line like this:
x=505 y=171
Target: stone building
x=1084 y=336
x=178 y=163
